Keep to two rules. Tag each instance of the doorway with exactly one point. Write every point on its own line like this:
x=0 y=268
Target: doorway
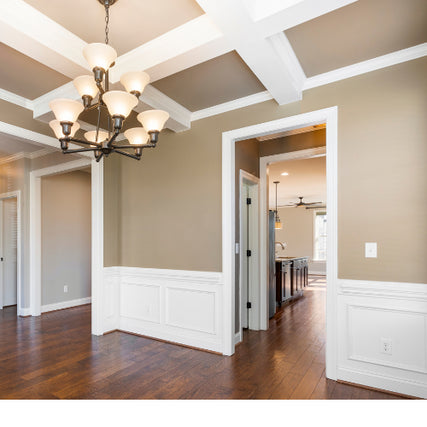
x=329 y=117
x=10 y=250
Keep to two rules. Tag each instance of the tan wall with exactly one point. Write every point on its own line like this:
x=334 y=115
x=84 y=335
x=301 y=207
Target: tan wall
x=66 y=236
x=170 y=209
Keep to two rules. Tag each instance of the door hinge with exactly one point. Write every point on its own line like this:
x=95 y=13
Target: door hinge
x=248 y=252
x=248 y=201
x=248 y=305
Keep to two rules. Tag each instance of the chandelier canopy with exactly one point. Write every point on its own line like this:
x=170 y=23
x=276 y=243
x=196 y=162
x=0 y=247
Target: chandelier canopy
x=115 y=104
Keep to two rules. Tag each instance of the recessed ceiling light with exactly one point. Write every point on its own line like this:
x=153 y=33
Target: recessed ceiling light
x=284 y=174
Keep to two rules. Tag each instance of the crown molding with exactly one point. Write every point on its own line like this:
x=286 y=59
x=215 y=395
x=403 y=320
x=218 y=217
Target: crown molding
x=366 y=66
x=24 y=155
x=13 y=98
x=231 y=105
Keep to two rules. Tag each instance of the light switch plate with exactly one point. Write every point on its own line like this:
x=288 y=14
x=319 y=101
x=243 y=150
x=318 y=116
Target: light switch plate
x=370 y=249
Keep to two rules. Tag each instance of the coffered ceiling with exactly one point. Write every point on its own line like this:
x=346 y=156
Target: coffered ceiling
x=204 y=56
x=222 y=79
x=132 y=22
x=358 y=32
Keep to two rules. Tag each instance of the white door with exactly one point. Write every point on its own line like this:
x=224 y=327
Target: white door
x=9 y=251
x=245 y=242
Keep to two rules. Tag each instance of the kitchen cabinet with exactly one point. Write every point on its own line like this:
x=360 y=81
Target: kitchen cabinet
x=291 y=278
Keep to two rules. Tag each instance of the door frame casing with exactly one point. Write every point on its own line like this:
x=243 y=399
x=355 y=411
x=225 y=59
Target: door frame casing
x=11 y=195
x=97 y=234
x=253 y=181
x=330 y=117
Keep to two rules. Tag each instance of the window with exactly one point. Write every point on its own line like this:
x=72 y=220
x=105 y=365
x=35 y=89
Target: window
x=320 y=236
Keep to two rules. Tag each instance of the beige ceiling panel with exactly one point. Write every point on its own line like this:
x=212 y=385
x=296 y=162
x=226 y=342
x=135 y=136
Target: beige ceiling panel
x=132 y=22
x=213 y=82
x=357 y=32
x=26 y=77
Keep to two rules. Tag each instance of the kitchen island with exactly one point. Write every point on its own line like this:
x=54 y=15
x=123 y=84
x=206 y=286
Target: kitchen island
x=291 y=278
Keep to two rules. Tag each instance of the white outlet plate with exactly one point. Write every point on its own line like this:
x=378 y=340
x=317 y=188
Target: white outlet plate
x=370 y=249
x=65 y=288
x=386 y=346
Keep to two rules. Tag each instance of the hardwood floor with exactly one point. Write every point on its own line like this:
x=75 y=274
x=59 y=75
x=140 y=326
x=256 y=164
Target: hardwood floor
x=54 y=356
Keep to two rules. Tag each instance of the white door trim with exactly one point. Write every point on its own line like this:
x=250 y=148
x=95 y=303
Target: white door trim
x=11 y=195
x=97 y=234
x=330 y=117
x=253 y=321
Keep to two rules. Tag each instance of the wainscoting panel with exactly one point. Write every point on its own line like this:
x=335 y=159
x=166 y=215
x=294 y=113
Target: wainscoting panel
x=174 y=305
x=111 y=297
x=375 y=315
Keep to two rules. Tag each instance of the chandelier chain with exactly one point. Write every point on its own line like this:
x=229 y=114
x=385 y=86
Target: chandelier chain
x=107 y=21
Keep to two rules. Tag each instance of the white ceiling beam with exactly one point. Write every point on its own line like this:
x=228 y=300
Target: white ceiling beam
x=287 y=15
x=263 y=56
x=27 y=30
x=195 y=34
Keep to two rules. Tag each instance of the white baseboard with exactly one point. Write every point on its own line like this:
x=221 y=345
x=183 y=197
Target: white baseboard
x=66 y=304
x=372 y=379
x=173 y=305
x=237 y=338
x=24 y=312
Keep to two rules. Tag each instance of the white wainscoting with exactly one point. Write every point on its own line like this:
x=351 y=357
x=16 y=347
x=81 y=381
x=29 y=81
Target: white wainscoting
x=369 y=312
x=179 y=306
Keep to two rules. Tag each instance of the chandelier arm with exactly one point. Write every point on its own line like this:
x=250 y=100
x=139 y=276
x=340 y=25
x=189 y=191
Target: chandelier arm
x=98 y=144
x=92 y=107
x=115 y=146
x=98 y=158
x=123 y=153
x=82 y=150
x=100 y=88
x=112 y=139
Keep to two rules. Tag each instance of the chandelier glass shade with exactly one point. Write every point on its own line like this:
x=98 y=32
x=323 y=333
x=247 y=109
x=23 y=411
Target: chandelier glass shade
x=116 y=105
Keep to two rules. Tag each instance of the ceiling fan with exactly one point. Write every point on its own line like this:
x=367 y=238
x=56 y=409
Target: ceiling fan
x=301 y=203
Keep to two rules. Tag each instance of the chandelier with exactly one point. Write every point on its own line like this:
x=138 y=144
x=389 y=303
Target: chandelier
x=115 y=104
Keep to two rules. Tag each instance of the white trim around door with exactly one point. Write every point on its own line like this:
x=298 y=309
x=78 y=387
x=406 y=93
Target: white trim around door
x=11 y=195
x=97 y=235
x=330 y=117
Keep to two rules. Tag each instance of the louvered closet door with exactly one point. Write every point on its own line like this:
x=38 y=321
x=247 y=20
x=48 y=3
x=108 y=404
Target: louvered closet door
x=9 y=251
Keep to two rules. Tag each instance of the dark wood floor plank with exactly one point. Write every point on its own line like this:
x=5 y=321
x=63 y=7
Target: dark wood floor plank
x=54 y=356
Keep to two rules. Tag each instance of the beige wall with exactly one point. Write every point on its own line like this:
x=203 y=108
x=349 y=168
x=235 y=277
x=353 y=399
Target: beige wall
x=15 y=176
x=170 y=208
x=66 y=236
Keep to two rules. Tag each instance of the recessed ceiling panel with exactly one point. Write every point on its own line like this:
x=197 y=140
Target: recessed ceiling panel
x=213 y=82
x=357 y=32
x=26 y=77
x=132 y=22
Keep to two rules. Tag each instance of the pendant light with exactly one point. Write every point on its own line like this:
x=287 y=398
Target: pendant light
x=277 y=222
